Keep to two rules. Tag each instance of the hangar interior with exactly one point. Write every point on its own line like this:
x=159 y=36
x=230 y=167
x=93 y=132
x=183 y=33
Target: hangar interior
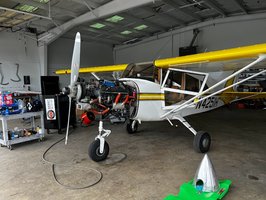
x=37 y=39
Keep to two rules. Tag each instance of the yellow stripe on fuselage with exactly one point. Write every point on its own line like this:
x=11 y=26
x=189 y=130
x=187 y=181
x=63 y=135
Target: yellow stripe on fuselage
x=151 y=97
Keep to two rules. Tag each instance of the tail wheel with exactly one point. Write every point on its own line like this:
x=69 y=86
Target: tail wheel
x=94 y=151
x=202 y=142
x=132 y=126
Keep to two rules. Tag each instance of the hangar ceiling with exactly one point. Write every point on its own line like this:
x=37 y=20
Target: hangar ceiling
x=103 y=21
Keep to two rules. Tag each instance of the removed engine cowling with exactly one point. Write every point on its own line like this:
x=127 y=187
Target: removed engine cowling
x=112 y=99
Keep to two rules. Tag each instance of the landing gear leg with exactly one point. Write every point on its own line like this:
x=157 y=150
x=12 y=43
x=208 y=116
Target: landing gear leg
x=99 y=148
x=202 y=140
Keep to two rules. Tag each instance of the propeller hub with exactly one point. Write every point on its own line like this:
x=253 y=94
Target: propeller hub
x=66 y=90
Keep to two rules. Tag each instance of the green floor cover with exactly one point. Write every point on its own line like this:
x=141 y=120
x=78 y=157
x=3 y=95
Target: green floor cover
x=188 y=192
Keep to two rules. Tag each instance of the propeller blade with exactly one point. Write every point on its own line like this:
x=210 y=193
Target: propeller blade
x=75 y=61
x=74 y=76
x=68 y=120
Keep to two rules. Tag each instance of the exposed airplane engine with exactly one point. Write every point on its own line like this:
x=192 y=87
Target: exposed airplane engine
x=112 y=99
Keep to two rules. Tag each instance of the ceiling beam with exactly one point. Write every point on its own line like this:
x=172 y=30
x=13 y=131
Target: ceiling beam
x=214 y=6
x=89 y=38
x=241 y=6
x=144 y=21
x=183 y=11
x=105 y=10
x=45 y=6
x=92 y=4
x=163 y=14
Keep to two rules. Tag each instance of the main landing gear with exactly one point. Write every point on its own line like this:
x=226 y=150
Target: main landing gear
x=132 y=126
x=99 y=148
x=202 y=140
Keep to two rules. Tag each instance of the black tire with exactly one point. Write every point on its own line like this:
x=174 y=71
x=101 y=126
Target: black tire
x=202 y=142
x=94 y=151
x=130 y=128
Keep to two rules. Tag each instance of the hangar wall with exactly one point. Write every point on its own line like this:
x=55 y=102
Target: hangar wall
x=60 y=55
x=16 y=48
x=211 y=37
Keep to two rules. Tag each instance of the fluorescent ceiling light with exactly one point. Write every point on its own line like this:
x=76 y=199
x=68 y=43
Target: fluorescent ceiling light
x=26 y=8
x=44 y=1
x=115 y=19
x=126 y=32
x=141 y=27
x=97 y=25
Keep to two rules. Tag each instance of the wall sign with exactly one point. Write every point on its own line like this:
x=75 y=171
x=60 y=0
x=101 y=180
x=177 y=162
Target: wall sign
x=50 y=109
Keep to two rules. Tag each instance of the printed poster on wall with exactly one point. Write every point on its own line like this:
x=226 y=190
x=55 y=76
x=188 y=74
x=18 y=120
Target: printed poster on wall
x=50 y=109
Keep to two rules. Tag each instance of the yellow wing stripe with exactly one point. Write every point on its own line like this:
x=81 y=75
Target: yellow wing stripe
x=150 y=96
x=221 y=55
x=107 y=68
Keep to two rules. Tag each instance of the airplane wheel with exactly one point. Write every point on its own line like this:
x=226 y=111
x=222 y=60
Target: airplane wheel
x=94 y=151
x=202 y=142
x=132 y=128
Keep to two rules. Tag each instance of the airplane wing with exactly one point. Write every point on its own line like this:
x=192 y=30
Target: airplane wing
x=221 y=60
x=107 y=68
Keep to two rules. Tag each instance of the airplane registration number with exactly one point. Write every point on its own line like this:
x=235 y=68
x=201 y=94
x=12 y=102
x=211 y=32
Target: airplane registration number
x=207 y=103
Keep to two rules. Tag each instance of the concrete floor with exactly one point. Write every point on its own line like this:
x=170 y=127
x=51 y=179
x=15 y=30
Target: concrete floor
x=159 y=159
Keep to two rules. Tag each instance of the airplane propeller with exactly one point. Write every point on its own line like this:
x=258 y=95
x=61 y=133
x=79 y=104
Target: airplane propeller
x=75 y=65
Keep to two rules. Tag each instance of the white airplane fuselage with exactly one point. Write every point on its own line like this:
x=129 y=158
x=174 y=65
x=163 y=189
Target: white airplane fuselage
x=151 y=102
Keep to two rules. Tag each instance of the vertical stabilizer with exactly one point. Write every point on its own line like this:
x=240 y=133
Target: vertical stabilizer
x=205 y=178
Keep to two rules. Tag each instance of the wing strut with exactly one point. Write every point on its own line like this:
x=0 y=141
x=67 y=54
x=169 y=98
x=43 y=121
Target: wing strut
x=191 y=101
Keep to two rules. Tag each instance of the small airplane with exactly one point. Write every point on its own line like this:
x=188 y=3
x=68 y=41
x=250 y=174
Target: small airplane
x=165 y=89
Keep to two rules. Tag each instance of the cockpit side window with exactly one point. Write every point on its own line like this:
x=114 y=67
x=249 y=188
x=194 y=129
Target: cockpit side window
x=181 y=85
x=143 y=71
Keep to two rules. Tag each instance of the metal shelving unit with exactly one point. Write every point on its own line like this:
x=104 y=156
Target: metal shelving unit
x=6 y=142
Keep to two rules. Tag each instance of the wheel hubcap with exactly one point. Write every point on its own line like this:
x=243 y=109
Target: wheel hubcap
x=98 y=153
x=205 y=143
